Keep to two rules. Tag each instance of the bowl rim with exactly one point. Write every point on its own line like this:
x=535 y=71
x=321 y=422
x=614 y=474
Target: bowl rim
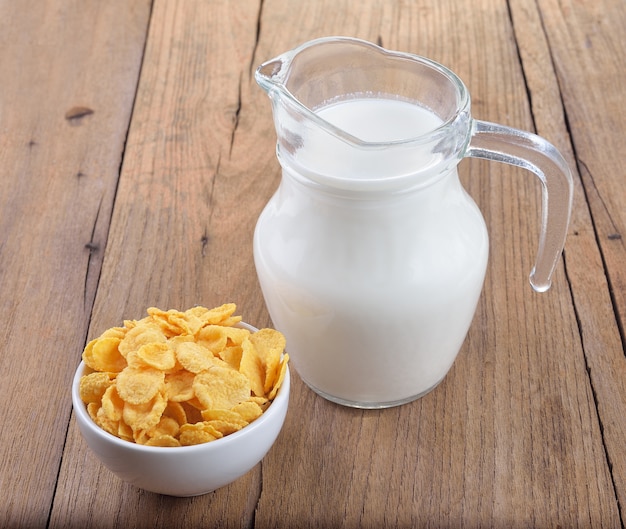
x=80 y=409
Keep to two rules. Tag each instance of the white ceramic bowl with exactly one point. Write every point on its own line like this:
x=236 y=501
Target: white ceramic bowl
x=185 y=470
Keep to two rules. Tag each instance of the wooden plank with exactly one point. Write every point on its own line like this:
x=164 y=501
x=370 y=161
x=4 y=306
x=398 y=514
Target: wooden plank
x=180 y=234
x=510 y=438
x=579 y=41
x=587 y=57
x=69 y=73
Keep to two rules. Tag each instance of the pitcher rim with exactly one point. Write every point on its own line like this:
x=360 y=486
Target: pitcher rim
x=273 y=84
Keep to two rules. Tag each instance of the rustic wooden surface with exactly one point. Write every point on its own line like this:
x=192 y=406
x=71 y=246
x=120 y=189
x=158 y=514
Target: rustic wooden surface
x=136 y=152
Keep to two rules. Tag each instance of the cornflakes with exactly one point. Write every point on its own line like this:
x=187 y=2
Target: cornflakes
x=181 y=378
x=221 y=388
x=163 y=440
x=138 y=385
x=194 y=358
x=103 y=354
x=145 y=415
x=93 y=386
x=157 y=355
x=198 y=433
x=112 y=404
x=252 y=367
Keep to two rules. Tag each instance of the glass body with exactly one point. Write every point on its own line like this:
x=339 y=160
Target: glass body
x=370 y=255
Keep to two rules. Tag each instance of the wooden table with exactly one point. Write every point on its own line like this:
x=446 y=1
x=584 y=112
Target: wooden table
x=136 y=152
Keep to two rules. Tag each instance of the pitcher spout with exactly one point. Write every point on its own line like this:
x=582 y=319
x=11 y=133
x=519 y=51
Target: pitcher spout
x=413 y=115
x=271 y=74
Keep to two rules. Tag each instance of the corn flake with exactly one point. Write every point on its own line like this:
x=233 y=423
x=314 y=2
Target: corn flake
x=228 y=416
x=252 y=367
x=193 y=434
x=102 y=354
x=141 y=334
x=181 y=378
x=112 y=404
x=194 y=357
x=232 y=356
x=163 y=440
x=93 y=385
x=179 y=386
x=270 y=345
x=145 y=415
x=248 y=411
x=221 y=388
x=175 y=323
x=176 y=411
x=281 y=377
x=138 y=385
x=213 y=337
x=157 y=355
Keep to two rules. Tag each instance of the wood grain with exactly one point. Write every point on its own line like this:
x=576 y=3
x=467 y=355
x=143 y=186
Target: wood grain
x=577 y=93
x=478 y=464
x=136 y=152
x=178 y=234
x=584 y=48
x=59 y=169
x=181 y=231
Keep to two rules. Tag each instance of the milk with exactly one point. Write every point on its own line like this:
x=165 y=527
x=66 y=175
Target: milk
x=380 y=120
x=374 y=290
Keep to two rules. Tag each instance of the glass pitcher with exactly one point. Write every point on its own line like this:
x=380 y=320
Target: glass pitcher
x=370 y=255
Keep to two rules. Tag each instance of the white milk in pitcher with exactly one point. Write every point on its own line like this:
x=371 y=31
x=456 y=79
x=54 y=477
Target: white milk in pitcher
x=380 y=120
x=374 y=292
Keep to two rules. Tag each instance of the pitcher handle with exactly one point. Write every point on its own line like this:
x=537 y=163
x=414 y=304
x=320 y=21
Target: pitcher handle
x=529 y=151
